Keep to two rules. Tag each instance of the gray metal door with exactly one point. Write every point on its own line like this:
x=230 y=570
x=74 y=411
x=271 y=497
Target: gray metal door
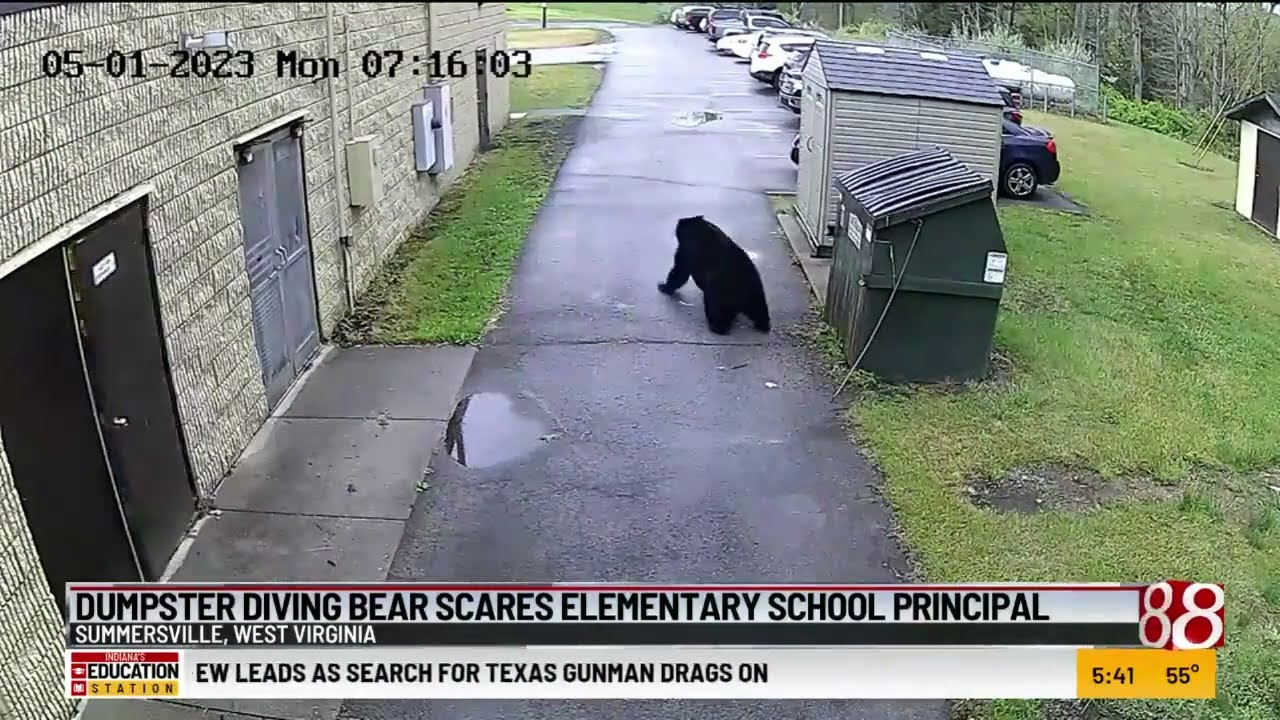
x=277 y=252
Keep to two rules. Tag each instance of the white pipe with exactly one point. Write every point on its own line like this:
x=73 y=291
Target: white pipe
x=427 y=7
x=338 y=181
x=351 y=101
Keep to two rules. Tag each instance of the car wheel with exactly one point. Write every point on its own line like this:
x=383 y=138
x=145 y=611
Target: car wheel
x=777 y=80
x=795 y=155
x=1019 y=180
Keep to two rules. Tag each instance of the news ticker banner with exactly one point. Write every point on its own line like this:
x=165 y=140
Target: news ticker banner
x=643 y=673
x=291 y=620
x=1168 y=614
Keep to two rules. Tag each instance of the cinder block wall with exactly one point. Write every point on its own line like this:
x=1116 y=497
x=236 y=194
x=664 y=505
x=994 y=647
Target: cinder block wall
x=70 y=144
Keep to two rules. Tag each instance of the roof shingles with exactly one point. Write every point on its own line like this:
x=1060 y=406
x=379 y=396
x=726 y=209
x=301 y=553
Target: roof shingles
x=905 y=72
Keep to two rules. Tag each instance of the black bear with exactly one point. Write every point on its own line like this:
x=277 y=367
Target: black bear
x=724 y=272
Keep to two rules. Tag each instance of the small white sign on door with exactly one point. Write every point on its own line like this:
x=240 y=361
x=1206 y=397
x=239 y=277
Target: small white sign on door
x=104 y=268
x=996 y=264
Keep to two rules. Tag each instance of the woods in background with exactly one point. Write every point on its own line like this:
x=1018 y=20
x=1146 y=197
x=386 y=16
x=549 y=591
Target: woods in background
x=1170 y=67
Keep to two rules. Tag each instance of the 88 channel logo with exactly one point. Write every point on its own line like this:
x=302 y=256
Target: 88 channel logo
x=1180 y=615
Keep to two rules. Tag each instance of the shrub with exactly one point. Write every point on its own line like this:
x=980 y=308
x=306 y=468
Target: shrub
x=873 y=30
x=1000 y=36
x=1156 y=116
x=1069 y=48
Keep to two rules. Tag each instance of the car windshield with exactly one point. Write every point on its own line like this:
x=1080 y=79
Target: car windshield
x=724 y=14
x=768 y=22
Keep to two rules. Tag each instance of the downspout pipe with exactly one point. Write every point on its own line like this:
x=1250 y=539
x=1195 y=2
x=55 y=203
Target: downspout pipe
x=340 y=211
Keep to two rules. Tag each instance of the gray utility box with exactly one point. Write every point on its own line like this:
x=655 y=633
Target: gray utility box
x=927 y=222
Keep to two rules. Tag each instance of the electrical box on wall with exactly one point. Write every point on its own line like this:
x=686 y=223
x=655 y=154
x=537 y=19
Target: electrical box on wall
x=441 y=125
x=364 y=175
x=424 y=139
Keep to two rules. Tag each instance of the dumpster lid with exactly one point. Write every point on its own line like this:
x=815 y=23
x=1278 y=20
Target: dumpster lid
x=912 y=185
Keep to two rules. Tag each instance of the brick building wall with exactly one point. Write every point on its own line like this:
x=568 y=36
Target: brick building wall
x=70 y=144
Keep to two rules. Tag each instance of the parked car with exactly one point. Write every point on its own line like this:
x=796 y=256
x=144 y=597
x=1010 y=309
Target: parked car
x=1012 y=95
x=695 y=16
x=767 y=64
x=767 y=33
x=753 y=45
x=738 y=44
x=1028 y=159
x=755 y=23
x=1011 y=109
x=680 y=16
x=748 y=21
x=719 y=16
x=792 y=84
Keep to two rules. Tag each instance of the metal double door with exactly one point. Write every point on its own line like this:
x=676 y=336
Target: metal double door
x=277 y=249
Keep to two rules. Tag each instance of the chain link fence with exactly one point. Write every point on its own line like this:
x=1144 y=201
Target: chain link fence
x=1050 y=83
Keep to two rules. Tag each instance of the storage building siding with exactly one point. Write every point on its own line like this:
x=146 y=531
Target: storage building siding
x=868 y=128
x=970 y=132
x=865 y=128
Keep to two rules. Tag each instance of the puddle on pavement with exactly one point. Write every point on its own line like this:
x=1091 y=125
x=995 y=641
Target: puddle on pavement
x=485 y=430
x=694 y=119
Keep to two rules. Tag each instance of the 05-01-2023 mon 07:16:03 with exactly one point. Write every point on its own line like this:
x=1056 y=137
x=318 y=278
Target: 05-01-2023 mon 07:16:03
x=289 y=64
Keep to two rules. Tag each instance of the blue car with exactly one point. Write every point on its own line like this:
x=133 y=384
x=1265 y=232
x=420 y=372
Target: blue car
x=1028 y=159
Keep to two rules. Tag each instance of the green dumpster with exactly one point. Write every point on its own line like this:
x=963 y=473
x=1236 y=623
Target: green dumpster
x=917 y=269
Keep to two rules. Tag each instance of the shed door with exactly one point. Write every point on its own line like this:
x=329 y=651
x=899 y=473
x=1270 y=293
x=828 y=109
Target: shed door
x=1266 y=185
x=813 y=159
x=277 y=252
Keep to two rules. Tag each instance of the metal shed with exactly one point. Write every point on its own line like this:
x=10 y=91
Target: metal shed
x=863 y=103
x=919 y=268
x=1258 y=181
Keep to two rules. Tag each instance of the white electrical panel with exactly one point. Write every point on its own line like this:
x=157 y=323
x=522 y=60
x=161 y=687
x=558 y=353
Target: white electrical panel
x=364 y=174
x=441 y=126
x=424 y=139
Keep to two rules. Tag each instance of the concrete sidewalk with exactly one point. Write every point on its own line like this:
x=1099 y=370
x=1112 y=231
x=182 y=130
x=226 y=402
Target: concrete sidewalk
x=322 y=493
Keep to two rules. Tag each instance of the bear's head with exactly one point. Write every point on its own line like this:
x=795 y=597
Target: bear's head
x=686 y=224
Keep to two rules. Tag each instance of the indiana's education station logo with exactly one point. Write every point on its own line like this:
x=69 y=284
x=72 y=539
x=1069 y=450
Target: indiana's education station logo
x=106 y=674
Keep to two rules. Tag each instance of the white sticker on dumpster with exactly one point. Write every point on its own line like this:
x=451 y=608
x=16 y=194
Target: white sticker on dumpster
x=996 y=263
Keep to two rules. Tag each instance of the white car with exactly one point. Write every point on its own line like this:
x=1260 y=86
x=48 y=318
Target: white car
x=763 y=37
x=767 y=64
x=738 y=45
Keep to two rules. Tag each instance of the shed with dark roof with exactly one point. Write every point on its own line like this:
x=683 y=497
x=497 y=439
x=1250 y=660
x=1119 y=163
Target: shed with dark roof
x=863 y=103
x=1258 y=179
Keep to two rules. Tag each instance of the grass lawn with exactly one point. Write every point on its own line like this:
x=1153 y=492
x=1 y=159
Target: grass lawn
x=622 y=11
x=1145 y=345
x=555 y=86
x=445 y=283
x=530 y=38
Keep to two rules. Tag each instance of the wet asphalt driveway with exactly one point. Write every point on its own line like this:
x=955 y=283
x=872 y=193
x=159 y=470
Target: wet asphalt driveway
x=610 y=436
